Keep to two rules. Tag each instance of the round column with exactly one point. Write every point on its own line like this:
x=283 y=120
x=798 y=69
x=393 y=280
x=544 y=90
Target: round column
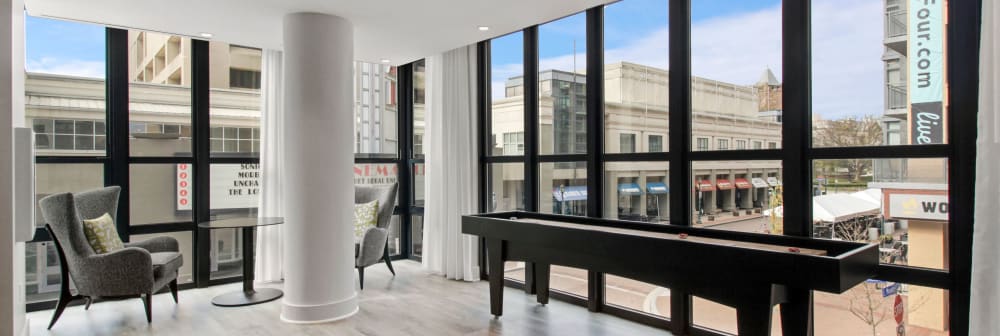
x=319 y=188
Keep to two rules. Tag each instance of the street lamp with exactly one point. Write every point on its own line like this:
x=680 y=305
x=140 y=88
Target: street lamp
x=701 y=205
x=562 y=199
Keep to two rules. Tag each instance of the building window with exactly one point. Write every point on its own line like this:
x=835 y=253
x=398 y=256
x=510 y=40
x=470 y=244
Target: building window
x=235 y=140
x=702 y=144
x=757 y=145
x=626 y=142
x=740 y=144
x=772 y=145
x=244 y=79
x=61 y=134
x=513 y=143
x=723 y=144
x=655 y=143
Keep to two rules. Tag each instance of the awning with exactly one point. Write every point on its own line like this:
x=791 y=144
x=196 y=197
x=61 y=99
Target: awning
x=657 y=188
x=836 y=208
x=705 y=185
x=742 y=183
x=773 y=181
x=723 y=184
x=570 y=193
x=629 y=189
x=759 y=183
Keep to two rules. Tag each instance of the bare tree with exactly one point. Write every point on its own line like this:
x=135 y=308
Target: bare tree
x=849 y=132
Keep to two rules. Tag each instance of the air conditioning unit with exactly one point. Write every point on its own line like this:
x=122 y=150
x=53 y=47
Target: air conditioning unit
x=24 y=184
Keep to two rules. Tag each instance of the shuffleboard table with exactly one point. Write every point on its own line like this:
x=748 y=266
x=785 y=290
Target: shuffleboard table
x=747 y=271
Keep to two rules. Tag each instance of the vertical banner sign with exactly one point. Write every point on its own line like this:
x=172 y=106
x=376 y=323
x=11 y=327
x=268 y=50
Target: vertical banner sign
x=183 y=186
x=926 y=71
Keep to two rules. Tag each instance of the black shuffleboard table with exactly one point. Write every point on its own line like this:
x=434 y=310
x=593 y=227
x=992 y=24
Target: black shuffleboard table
x=747 y=271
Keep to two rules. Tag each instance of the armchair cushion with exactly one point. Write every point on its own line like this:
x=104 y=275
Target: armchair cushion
x=365 y=216
x=102 y=235
x=164 y=263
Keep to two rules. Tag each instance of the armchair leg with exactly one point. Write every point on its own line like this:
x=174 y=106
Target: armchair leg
x=64 y=299
x=173 y=289
x=89 y=301
x=388 y=261
x=361 y=277
x=147 y=302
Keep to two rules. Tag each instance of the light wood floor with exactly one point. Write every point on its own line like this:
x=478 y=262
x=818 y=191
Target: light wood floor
x=412 y=303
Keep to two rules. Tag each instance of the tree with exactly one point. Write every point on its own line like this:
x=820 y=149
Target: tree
x=849 y=132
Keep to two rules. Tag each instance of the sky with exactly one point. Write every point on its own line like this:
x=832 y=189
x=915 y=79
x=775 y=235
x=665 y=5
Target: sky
x=732 y=41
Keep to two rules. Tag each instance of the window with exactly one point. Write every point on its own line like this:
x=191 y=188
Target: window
x=419 y=90
x=772 y=145
x=655 y=143
x=723 y=144
x=507 y=93
x=244 y=79
x=60 y=136
x=757 y=144
x=627 y=143
x=375 y=110
x=740 y=144
x=513 y=143
x=562 y=106
x=505 y=189
x=702 y=144
x=161 y=79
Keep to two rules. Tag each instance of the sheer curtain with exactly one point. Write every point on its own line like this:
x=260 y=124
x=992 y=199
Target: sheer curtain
x=270 y=245
x=985 y=302
x=451 y=160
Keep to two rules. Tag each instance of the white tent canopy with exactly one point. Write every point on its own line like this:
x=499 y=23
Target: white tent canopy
x=840 y=207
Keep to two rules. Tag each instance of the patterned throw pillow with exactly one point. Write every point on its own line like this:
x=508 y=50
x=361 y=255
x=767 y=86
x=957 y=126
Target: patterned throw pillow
x=101 y=234
x=365 y=216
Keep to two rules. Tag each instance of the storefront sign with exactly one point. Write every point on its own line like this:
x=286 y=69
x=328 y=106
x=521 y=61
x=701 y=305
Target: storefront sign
x=918 y=206
x=890 y=290
x=926 y=69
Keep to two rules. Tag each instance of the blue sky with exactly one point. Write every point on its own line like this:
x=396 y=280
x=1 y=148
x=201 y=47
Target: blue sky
x=732 y=41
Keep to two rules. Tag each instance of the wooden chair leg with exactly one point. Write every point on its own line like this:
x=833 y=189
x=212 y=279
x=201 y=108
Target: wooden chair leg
x=388 y=261
x=173 y=289
x=361 y=277
x=147 y=302
x=64 y=299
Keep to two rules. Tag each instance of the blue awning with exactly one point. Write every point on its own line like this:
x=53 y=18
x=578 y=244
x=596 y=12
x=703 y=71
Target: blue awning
x=570 y=193
x=657 y=188
x=629 y=189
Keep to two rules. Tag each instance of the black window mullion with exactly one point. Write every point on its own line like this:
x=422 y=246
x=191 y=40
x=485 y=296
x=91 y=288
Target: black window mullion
x=116 y=171
x=595 y=140
x=484 y=97
x=531 y=187
x=680 y=141
x=796 y=130
x=404 y=148
x=200 y=120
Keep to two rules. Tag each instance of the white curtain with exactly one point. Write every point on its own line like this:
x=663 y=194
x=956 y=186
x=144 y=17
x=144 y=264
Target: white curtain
x=270 y=245
x=985 y=301
x=451 y=160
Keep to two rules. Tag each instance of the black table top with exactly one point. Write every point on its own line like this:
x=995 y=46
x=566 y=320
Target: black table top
x=241 y=222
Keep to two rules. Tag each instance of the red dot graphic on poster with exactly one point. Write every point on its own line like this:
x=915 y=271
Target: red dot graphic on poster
x=184 y=175
x=184 y=192
x=184 y=201
x=183 y=167
x=184 y=184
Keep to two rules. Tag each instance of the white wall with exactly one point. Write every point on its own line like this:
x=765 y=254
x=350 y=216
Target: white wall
x=12 y=317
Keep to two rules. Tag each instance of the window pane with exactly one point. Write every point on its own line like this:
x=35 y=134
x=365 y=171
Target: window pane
x=736 y=95
x=417 y=235
x=42 y=276
x=711 y=315
x=893 y=73
x=738 y=195
x=507 y=93
x=165 y=195
x=562 y=188
x=562 y=86
x=635 y=73
x=419 y=90
x=378 y=174
x=234 y=190
x=59 y=178
x=925 y=310
x=900 y=204
x=395 y=239
x=225 y=259
x=64 y=85
x=637 y=295
x=159 y=93
x=184 y=242
x=506 y=187
x=375 y=110
x=637 y=191
x=234 y=80
x=419 y=173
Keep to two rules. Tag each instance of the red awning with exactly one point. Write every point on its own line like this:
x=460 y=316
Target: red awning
x=705 y=185
x=723 y=184
x=742 y=183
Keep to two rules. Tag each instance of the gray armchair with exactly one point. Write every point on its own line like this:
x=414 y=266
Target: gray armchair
x=373 y=245
x=140 y=268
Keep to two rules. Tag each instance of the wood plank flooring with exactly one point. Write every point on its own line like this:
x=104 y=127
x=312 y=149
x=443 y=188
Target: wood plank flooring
x=412 y=303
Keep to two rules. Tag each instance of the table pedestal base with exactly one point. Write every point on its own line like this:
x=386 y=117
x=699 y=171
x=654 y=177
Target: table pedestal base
x=241 y=298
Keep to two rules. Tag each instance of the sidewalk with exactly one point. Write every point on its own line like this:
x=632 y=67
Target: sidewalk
x=727 y=217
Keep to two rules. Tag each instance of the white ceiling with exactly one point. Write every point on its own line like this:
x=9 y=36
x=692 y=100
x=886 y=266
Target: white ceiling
x=398 y=30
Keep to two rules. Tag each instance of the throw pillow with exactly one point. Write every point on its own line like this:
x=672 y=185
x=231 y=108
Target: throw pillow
x=101 y=234
x=365 y=216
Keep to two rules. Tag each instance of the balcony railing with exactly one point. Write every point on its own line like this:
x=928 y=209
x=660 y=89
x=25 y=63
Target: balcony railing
x=896 y=96
x=895 y=24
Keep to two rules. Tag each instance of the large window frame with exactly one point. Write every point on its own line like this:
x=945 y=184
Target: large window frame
x=796 y=152
x=116 y=159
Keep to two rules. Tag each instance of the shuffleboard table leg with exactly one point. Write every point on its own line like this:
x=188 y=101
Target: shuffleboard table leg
x=754 y=319
x=797 y=312
x=542 y=272
x=529 y=278
x=494 y=251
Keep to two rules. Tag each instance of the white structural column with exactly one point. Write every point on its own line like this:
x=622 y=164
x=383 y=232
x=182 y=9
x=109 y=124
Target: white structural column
x=319 y=182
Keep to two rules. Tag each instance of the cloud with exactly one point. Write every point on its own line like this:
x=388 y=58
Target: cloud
x=848 y=72
x=68 y=67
